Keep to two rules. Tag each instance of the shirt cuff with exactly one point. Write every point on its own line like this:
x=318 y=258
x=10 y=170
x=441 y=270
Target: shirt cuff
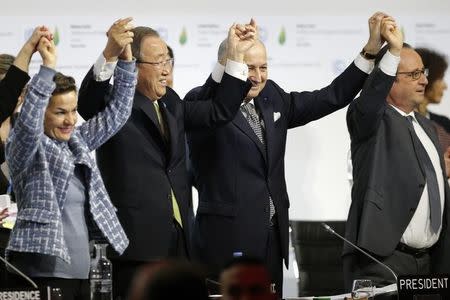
x=47 y=73
x=236 y=69
x=389 y=63
x=365 y=65
x=103 y=70
x=217 y=73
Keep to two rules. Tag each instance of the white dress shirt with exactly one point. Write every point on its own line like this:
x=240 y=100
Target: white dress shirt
x=419 y=234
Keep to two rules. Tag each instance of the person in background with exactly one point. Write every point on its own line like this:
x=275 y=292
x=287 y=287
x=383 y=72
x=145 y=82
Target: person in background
x=60 y=195
x=170 y=76
x=169 y=279
x=13 y=79
x=246 y=278
x=437 y=64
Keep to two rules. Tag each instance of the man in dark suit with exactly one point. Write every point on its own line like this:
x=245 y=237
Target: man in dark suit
x=400 y=193
x=239 y=167
x=143 y=165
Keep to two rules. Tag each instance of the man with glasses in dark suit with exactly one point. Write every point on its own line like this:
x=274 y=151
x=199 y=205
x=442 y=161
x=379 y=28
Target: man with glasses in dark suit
x=143 y=165
x=400 y=192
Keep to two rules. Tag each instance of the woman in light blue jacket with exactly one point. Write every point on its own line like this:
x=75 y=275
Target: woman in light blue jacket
x=60 y=194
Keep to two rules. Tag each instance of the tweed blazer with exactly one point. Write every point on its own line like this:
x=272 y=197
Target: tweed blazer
x=41 y=168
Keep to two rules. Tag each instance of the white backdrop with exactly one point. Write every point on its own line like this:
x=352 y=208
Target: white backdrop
x=307 y=47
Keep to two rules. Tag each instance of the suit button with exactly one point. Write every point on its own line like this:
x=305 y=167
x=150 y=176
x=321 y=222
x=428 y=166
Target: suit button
x=169 y=171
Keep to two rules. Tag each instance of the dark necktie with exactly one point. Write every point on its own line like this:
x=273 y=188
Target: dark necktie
x=161 y=122
x=248 y=109
x=164 y=133
x=430 y=175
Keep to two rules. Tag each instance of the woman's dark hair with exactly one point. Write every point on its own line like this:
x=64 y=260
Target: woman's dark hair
x=436 y=64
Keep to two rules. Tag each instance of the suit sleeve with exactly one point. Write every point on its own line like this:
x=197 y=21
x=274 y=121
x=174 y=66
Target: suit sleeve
x=218 y=109
x=10 y=89
x=203 y=92
x=365 y=113
x=93 y=96
x=305 y=107
x=441 y=120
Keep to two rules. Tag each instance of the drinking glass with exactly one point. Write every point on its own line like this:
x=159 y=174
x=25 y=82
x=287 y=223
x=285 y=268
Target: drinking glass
x=362 y=289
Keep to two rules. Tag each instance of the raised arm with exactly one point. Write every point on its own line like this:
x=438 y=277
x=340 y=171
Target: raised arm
x=29 y=128
x=305 y=107
x=17 y=76
x=365 y=113
x=232 y=89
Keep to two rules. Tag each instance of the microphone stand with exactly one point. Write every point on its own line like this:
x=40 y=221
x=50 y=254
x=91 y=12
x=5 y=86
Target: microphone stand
x=331 y=230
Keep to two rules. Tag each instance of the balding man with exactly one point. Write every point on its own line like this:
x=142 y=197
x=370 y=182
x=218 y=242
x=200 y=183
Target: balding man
x=239 y=167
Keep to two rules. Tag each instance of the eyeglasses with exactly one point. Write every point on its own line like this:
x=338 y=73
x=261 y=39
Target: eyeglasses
x=168 y=63
x=415 y=75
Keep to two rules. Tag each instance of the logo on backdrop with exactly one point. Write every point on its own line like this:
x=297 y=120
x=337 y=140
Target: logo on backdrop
x=183 y=36
x=56 y=37
x=282 y=36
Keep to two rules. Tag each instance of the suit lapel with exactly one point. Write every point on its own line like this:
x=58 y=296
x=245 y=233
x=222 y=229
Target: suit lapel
x=241 y=122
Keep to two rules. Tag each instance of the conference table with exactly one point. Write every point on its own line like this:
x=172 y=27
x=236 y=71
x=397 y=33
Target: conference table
x=383 y=293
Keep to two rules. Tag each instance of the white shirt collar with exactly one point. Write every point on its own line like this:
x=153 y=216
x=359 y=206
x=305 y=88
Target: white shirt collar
x=251 y=101
x=403 y=113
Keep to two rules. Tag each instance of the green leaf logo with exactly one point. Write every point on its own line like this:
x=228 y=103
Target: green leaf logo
x=183 y=36
x=282 y=36
x=56 y=36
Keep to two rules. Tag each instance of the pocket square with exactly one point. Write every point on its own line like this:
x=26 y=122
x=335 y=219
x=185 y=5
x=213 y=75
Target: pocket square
x=276 y=116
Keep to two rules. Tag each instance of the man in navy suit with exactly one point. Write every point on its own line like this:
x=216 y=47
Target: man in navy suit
x=143 y=165
x=399 y=211
x=239 y=167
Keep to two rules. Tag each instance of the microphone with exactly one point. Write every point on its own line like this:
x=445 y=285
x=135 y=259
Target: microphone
x=213 y=281
x=331 y=230
x=18 y=272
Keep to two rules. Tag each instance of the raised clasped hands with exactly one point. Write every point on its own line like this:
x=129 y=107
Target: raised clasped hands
x=47 y=50
x=241 y=37
x=38 y=33
x=392 y=33
x=376 y=40
x=120 y=36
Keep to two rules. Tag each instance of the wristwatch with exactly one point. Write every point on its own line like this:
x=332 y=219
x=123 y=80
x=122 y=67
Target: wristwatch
x=367 y=55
